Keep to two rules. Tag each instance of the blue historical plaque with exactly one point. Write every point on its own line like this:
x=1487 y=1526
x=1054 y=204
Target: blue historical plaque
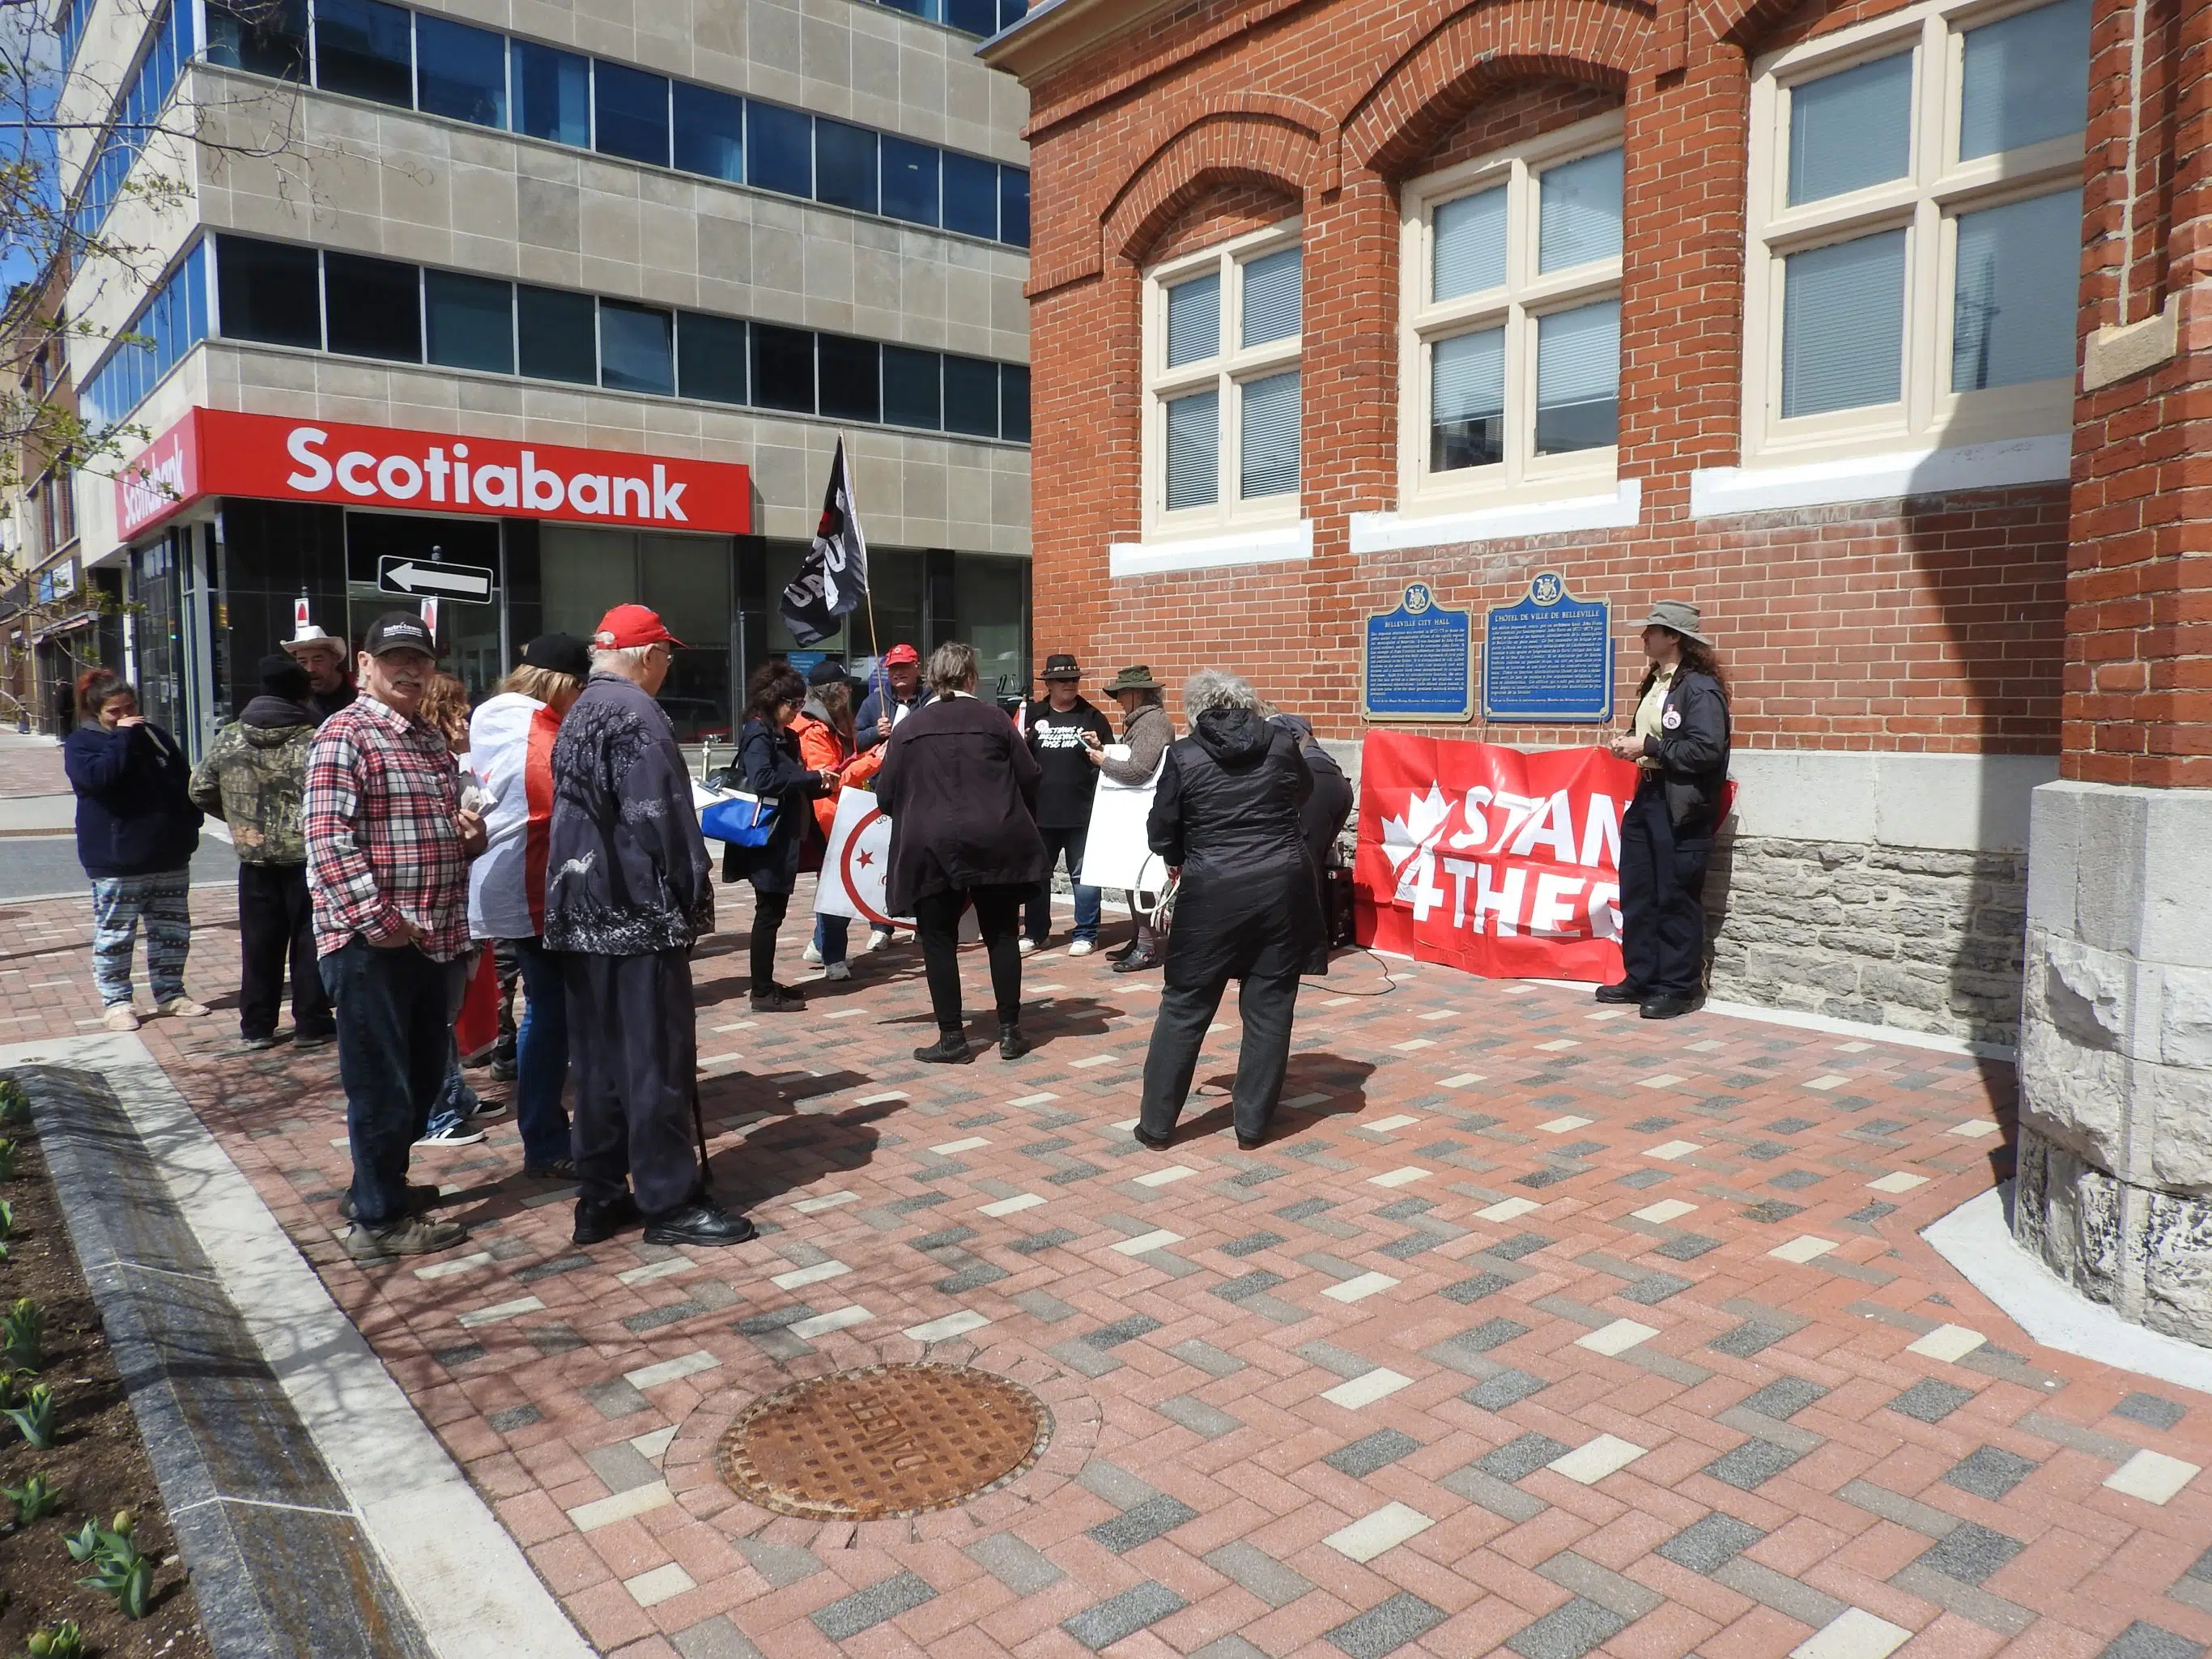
x=1420 y=660
x=1547 y=658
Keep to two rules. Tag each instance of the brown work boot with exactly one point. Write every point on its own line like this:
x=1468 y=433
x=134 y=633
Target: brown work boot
x=413 y=1235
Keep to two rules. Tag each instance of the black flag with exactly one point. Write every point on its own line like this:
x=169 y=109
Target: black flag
x=833 y=579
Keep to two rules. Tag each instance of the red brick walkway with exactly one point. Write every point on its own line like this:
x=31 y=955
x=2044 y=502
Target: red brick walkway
x=1533 y=1326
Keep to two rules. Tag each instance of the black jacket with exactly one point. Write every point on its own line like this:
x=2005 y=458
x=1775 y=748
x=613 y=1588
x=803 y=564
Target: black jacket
x=960 y=787
x=626 y=869
x=767 y=765
x=133 y=816
x=1692 y=752
x=878 y=704
x=1226 y=810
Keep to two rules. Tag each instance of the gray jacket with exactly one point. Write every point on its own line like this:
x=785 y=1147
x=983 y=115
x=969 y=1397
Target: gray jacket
x=1148 y=733
x=626 y=869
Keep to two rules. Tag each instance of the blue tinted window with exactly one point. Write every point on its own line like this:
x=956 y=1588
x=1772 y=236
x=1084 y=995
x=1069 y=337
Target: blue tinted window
x=779 y=149
x=1014 y=402
x=710 y=132
x=710 y=357
x=364 y=47
x=631 y=113
x=973 y=16
x=135 y=113
x=471 y=321
x=372 y=307
x=262 y=39
x=910 y=180
x=462 y=73
x=783 y=367
x=174 y=320
x=1010 y=12
x=552 y=94
x=971 y=196
x=971 y=397
x=851 y=377
x=269 y=291
x=554 y=329
x=1014 y=206
x=845 y=166
x=637 y=348
x=911 y=395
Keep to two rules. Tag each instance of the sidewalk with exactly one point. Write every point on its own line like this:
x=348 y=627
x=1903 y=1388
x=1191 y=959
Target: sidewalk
x=1533 y=1328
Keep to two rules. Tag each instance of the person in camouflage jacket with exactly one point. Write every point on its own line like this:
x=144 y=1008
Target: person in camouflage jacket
x=252 y=777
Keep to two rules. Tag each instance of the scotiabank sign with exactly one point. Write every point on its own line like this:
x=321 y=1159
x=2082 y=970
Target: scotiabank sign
x=213 y=452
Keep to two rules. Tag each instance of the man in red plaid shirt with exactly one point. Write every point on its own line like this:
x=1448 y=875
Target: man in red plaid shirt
x=388 y=852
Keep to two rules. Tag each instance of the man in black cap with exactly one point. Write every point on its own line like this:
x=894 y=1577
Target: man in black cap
x=1060 y=730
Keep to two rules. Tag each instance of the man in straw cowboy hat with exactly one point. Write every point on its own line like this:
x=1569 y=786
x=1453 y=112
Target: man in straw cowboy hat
x=330 y=686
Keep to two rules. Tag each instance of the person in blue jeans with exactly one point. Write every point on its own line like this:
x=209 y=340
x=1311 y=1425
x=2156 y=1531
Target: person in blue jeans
x=1060 y=731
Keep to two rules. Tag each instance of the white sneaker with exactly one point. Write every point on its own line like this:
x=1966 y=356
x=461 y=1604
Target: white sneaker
x=184 y=1008
x=1081 y=947
x=838 y=970
x=878 y=939
x=809 y=954
x=120 y=1017
x=1028 y=946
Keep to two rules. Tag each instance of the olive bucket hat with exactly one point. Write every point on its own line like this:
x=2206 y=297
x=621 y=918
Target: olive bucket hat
x=1680 y=616
x=1139 y=678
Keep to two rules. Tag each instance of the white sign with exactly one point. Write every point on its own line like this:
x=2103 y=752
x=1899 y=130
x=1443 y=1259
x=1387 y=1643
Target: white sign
x=398 y=574
x=856 y=870
x=1115 y=853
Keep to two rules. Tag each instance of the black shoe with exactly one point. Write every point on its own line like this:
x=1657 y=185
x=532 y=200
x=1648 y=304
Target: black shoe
x=561 y=1169
x=1249 y=1143
x=255 y=1045
x=950 y=1049
x=1158 y=1143
x=1667 y=1007
x=776 y=999
x=1013 y=1045
x=595 y=1223
x=1124 y=953
x=312 y=1039
x=502 y=1071
x=702 y=1221
x=421 y=1196
x=1137 y=960
x=1626 y=990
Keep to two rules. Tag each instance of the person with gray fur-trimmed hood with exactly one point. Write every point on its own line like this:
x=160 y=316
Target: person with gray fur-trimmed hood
x=253 y=776
x=628 y=891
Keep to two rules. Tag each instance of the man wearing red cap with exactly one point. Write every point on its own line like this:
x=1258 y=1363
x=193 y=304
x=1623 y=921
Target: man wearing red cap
x=627 y=890
x=885 y=705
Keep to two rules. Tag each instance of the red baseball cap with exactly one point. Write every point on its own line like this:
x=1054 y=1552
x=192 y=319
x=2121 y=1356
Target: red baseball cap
x=899 y=653
x=628 y=625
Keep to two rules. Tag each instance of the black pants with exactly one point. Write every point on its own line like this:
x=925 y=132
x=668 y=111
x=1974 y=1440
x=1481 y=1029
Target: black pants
x=998 y=917
x=769 y=910
x=634 y=1043
x=395 y=1026
x=1265 y=1006
x=276 y=924
x=1663 y=898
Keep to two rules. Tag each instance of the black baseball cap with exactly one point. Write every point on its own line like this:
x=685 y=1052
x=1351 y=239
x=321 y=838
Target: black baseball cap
x=399 y=630
x=829 y=672
x=559 y=653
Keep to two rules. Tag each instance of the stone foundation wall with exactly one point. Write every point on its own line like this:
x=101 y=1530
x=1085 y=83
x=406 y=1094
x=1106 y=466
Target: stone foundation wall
x=1921 y=940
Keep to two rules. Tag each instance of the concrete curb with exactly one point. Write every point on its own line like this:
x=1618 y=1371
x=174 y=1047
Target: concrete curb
x=461 y=1581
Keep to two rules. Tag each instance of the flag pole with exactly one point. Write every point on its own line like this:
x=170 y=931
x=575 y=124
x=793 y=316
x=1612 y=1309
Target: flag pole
x=868 y=591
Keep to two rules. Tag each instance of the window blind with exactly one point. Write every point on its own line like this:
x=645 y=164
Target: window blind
x=1579 y=212
x=1469 y=245
x=1578 y=378
x=1268 y=436
x=1850 y=130
x=1467 y=401
x=1194 y=450
x=1193 y=321
x=2013 y=310
x=1843 y=324
x=2025 y=79
x=1272 y=297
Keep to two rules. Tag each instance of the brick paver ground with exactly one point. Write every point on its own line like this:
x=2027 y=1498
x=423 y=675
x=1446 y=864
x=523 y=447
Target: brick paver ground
x=1534 y=1328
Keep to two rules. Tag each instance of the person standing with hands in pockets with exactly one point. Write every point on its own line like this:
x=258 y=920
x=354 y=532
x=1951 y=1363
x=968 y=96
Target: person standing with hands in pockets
x=1680 y=742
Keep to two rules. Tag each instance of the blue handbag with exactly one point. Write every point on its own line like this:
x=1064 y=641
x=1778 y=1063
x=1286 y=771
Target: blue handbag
x=739 y=819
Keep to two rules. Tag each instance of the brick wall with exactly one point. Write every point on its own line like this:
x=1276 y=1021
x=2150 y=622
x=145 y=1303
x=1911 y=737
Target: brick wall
x=1937 y=624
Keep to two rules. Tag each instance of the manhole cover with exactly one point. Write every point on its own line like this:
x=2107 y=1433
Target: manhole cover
x=882 y=1441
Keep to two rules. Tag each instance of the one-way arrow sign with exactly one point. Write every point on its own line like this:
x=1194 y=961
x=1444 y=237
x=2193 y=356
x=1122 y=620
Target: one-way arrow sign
x=402 y=574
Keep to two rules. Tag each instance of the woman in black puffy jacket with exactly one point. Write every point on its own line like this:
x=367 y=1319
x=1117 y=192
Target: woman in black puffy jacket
x=1247 y=905
x=768 y=766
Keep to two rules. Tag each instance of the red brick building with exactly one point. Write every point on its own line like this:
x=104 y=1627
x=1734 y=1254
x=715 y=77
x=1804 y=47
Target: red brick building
x=1867 y=327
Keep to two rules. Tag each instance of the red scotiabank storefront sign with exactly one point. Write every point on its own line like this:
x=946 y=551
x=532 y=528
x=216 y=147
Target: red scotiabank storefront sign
x=1494 y=860
x=214 y=452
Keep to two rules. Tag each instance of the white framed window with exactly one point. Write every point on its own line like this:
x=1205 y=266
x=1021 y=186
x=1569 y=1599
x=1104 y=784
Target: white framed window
x=1915 y=230
x=1222 y=426
x=1509 y=336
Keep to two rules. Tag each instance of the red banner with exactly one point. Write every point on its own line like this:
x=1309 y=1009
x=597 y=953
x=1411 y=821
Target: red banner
x=219 y=452
x=1491 y=859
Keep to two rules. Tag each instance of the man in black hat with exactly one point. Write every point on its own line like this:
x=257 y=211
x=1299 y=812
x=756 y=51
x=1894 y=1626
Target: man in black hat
x=1062 y=731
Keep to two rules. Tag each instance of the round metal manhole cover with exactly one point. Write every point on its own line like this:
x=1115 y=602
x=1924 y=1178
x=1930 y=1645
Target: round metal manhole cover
x=885 y=1440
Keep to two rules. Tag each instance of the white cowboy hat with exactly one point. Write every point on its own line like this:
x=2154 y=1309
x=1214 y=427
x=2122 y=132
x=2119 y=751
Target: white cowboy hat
x=308 y=637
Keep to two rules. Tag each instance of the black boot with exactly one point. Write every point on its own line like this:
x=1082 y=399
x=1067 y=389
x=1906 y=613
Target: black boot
x=421 y=1197
x=702 y=1221
x=1626 y=990
x=1013 y=1045
x=776 y=999
x=951 y=1048
x=1138 y=960
x=1668 y=1006
x=597 y=1222
x=1158 y=1143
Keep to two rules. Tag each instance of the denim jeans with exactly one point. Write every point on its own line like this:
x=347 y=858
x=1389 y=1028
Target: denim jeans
x=541 y=1058
x=395 y=1041
x=830 y=937
x=457 y=1102
x=1068 y=844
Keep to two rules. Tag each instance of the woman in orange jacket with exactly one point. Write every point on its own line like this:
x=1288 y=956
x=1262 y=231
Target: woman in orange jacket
x=824 y=731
